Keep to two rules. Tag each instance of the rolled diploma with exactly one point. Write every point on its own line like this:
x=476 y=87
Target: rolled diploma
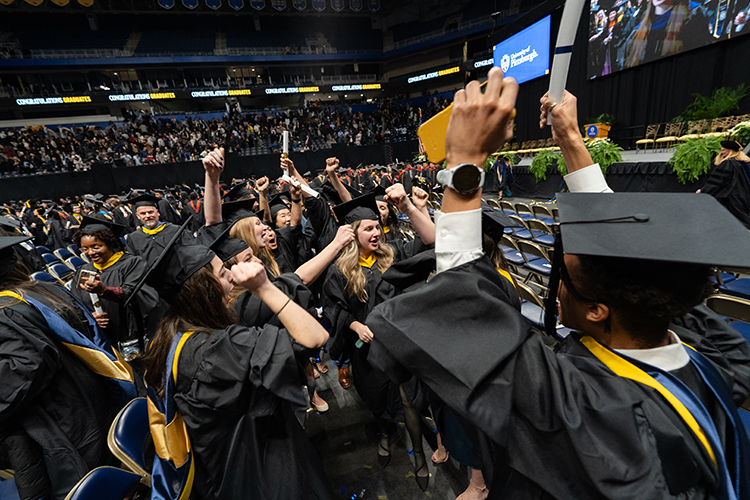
x=286 y=142
x=95 y=300
x=564 y=50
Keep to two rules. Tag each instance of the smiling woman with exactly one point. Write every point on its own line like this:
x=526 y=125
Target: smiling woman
x=107 y=282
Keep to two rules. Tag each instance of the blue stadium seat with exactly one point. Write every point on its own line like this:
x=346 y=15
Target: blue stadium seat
x=743 y=328
x=738 y=288
x=74 y=249
x=61 y=271
x=105 y=483
x=725 y=277
x=533 y=313
x=75 y=262
x=63 y=254
x=131 y=436
x=513 y=256
x=43 y=249
x=8 y=490
x=43 y=276
x=50 y=259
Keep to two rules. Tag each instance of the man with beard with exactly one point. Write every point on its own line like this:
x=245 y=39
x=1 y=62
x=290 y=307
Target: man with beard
x=152 y=236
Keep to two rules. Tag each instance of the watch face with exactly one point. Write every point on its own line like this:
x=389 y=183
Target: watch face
x=466 y=178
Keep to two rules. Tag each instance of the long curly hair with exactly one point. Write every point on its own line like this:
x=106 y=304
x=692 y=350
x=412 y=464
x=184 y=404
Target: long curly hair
x=244 y=229
x=348 y=263
x=198 y=307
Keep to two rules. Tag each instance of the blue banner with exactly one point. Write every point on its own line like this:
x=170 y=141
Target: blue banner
x=337 y=5
x=373 y=5
x=258 y=4
x=190 y=4
x=166 y=4
x=278 y=4
x=236 y=4
x=299 y=4
x=214 y=4
x=319 y=5
x=355 y=5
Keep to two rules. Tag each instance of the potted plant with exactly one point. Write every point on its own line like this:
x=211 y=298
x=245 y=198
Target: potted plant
x=741 y=133
x=692 y=158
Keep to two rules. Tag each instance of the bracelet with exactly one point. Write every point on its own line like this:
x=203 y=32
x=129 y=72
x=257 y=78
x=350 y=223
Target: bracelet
x=282 y=307
x=296 y=201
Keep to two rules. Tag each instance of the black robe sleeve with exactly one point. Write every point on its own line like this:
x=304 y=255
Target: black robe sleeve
x=323 y=222
x=287 y=252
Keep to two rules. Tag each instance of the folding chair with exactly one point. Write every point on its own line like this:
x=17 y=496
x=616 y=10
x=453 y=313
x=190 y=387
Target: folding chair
x=62 y=253
x=511 y=253
x=738 y=288
x=493 y=203
x=42 y=249
x=75 y=262
x=543 y=214
x=719 y=278
x=129 y=438
x=43 y=276
x=671 y=135
x=651 y=133
x=542 y=233
x=62 y=272
x=532 y=308
x=85 y=258
x=105 y=483
x=507 y=207
x=73 y=248
x=735 y=308
x=522 y=231
x=50 y=259
x=538 y=262
x=555 y=214
x=524 y=211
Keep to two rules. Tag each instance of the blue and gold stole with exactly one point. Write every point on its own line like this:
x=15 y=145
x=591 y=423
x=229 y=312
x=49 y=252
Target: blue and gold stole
x=157 y=229
x=692 y=411
x=97 y=354
x=173 y=470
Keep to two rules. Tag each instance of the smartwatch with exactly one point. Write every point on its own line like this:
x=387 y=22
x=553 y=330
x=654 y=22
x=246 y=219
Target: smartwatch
x=465 y=178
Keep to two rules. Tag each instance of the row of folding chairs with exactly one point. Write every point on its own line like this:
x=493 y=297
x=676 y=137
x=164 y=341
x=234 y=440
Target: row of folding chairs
x=545 y=213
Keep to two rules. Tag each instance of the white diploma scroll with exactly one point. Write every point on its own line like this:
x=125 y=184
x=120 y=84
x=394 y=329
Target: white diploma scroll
x=564 y=49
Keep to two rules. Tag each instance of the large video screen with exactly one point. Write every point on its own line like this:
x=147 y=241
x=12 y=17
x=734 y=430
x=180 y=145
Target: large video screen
x=525 y=55
x=627 y=33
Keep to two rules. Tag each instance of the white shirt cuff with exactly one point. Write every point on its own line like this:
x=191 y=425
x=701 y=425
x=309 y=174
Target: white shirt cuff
x=458 y=238
x=587 y=180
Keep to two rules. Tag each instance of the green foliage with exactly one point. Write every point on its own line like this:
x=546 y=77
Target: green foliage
x=419 y=158
x=692 y=158
x=541 y=161
x=491 y=159
x=604 y=152
x=741 y=133
x=562 y=167
x=722 y=102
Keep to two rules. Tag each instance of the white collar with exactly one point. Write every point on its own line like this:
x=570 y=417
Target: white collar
x=669 y=357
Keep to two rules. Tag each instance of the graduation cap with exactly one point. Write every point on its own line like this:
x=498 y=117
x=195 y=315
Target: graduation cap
x=647 y=226
x=8 y=257
x=216 y=237
x=237 y=192
x=361 y=208
x=233 y=211
x=494 y=222
x=144 y=200
x=10 y=223
x=733 y=145
x=379 y=193
x=307 y=175
x=330 y=194
x=90 y=224
x=48 y=202
x=175 y=265
x=276 y=204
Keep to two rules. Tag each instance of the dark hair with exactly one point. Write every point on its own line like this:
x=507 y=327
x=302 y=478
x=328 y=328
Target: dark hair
x=645 y=295
x=496 y=256
x=18 y=280
x=109 y=239
x=198 y=307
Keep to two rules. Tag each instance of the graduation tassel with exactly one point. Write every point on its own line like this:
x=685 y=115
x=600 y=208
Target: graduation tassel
x=550 y=306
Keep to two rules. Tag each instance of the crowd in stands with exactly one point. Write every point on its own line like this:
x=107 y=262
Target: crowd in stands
x=144 y=139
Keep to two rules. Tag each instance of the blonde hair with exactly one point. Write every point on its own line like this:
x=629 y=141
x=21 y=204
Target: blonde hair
x=244 y=229
x=737 y=155
x=348 y=263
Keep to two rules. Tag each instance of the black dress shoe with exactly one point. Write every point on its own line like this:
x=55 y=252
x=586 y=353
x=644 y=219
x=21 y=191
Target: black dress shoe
x=422 y=482
x=383 y=460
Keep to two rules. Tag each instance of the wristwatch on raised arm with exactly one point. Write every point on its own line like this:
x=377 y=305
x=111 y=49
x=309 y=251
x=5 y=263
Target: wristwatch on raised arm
x=466 y=178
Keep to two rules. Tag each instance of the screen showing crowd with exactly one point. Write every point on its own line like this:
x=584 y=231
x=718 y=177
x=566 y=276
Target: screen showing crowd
x=626 y=33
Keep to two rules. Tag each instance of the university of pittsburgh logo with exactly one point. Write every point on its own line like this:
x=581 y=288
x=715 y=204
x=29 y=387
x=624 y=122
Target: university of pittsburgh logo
x=505 y=63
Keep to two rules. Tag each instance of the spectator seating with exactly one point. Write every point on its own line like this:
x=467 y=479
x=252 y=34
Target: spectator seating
x=75 y=262
x=50 y=259
x=130 y=437
x=42 y=249
x=61 y=272
x=73 y=248
x=176 y=42
x=43 y=276
x=738 y=288
x=63 y=254
x=105 y=483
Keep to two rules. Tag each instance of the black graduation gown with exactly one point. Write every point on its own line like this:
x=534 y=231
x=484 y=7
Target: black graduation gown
x=145 y=310
x=166 y=212
x=323 y=222
x=30 y=256
x=149 y=246
x=54 y=411
x=287 y=251
x=236 y=391
x=123 y=218
x=57 y=235
x=567 y=426
x=729 y=184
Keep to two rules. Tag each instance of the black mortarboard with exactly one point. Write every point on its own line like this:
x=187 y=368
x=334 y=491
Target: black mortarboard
x=91 y=224
x=92 y=199
x=235 y=210
x=216 y=237
x=362 y=208
x=48 y=202
x=8 y=257
x=307 y=175
x=494 y=222
x=276 y=204
x=10 y=223
x=674 y=227
x=733 y=145
x=379 y=193
x=178 y=264
x=144 y=200
x=330 y=194
x=236 y=193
